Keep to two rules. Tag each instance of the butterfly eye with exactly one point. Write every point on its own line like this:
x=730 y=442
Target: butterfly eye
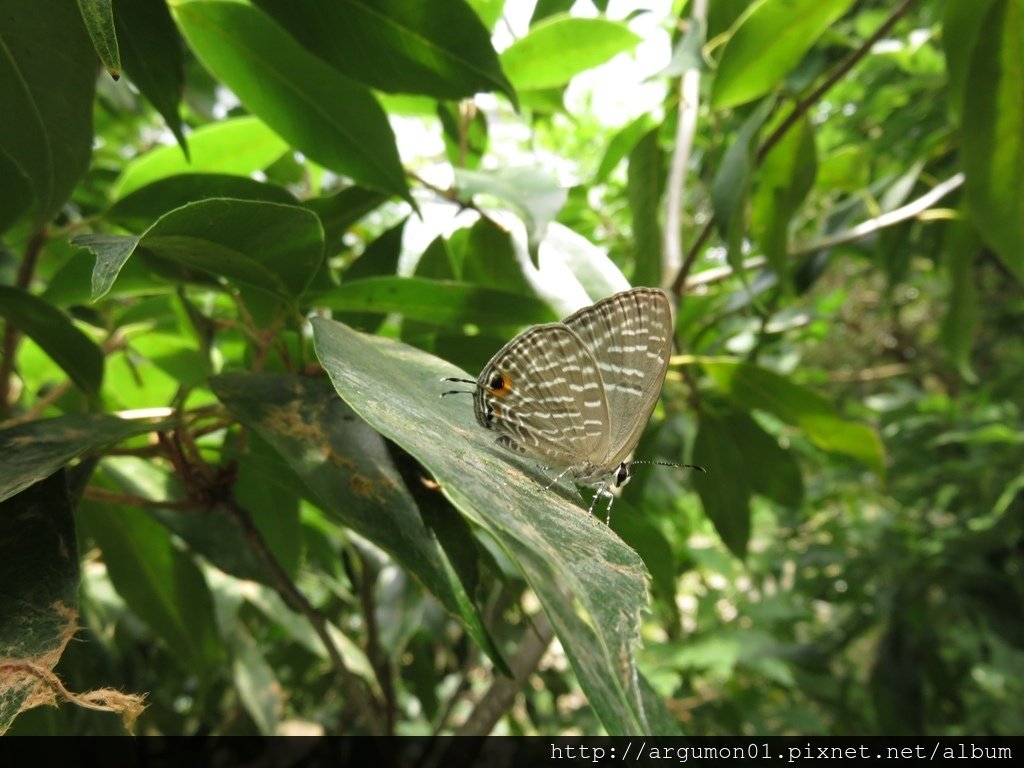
x=622 y=475
x=498 y=382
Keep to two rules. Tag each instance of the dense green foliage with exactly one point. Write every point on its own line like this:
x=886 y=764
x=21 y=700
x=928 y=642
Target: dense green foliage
x=230 y=501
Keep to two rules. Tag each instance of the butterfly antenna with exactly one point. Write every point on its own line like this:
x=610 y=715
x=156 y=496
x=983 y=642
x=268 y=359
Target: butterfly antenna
x=458 y=391
x=672 y=464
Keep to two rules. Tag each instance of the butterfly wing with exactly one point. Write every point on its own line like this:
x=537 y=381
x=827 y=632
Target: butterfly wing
x=543 y=393
x=630 y=337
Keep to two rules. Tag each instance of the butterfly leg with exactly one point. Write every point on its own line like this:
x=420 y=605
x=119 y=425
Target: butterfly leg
x=557 y=478
x=602 y=490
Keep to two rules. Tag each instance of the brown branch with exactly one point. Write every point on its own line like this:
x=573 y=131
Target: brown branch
x=452 y=196
x=379 y=662
x=130 y=500
x=686 y=129
x=500 y=696
x=802 y=106
x=798 y=111
x=913 y=209
x=353 y=686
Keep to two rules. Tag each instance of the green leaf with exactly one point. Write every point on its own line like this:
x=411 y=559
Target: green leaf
x=379 y=259
x=786 y=176
x=770 y=470
x=160 y=584
x=15 y=191
x=993 y=133
x=47 y=81
x=731 y=185
x=338 y=212
x=534 y=195
x=78 y=355
x=753 y=387
x=151 y=51
x=489 y=260
x=240 y=147
x=436 y=301
x=650 y=543
x=643 y=187
x=560 y=47
x=464 y=133
x=960 y=24
x=330 y=118
x=99 y=22
x=489 y=11
x=276 y=248
x=36 y=449
x=39 y=598
x=347 y=466
x=260 y=691
x=438 y=49
x=621 y=145
x=590 y=584
x=725 y=490
x=766 y=42
x=214 y=533
x=138 y=209
x=961 y=320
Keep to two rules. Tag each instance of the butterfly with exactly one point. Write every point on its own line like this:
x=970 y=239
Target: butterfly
x=578 y=394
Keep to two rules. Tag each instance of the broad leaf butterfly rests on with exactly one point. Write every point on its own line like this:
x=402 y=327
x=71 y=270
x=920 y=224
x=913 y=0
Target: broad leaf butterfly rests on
x=577 y=394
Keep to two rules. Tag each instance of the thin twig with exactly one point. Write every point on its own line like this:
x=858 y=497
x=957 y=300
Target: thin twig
x=798 y=111
x=896 y=216
x=131 y=500
x=452 y=196
x=804 y=105
x=499 y=697
x=355 y=691
x=871 y=226
x=378 y=660
x=686 y=129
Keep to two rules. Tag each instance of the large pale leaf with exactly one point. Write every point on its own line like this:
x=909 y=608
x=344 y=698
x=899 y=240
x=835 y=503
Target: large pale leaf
x=766 y=42
x=591 y=585
x=347 y=467
x=330 y=118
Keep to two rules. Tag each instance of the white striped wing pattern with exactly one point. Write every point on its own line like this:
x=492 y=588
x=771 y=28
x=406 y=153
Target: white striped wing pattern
x=578 y=394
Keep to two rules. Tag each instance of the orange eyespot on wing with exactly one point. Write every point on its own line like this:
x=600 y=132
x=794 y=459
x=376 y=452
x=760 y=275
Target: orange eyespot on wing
x=500 y=384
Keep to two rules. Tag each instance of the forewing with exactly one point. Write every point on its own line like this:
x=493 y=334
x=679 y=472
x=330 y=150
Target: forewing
x=630 y=338
x=542 y=392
